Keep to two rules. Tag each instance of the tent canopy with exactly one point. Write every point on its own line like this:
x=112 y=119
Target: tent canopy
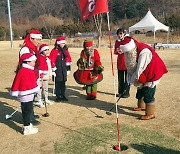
x=149 y=23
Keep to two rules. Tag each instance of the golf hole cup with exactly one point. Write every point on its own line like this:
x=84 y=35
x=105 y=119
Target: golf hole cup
x=116 y=147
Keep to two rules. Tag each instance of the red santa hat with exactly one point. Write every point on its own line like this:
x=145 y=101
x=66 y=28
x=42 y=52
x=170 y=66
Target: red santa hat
x=43 y=47
x=35 y=34
x=27 y=57
x=60 y=40
x=127 y=44
x=88 y=44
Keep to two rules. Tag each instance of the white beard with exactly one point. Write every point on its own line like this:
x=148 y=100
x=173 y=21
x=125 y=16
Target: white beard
x=131 y=63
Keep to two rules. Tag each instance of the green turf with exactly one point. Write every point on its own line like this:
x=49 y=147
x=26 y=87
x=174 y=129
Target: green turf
x=101 y=138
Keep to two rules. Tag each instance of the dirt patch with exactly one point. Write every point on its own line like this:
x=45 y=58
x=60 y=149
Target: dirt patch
x=78 y=112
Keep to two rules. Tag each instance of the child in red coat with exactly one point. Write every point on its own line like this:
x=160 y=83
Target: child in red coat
x=45 y=73
x=24 y=88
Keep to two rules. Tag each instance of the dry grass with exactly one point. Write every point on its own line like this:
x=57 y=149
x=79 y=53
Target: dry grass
x=79 y=113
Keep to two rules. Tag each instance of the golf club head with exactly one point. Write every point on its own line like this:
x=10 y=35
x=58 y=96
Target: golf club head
x=8 y=116
x=98 y=116
x=45 y=115
x=108 y=113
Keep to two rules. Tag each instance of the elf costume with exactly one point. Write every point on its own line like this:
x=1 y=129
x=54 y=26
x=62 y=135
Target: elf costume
x=89 y=70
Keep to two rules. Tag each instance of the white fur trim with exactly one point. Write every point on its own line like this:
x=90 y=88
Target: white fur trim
x=41 y=71
x=36 y=36
x=128 y=47
x=23 y=51
x=68 y=72
x=30 y=58
x=26 y=92
x=27 y=66
x=60 y=42
x=44 y=48
x=68 y=63
x=54 y=69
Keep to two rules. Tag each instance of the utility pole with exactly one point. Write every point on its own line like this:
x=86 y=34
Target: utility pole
x=10 y=23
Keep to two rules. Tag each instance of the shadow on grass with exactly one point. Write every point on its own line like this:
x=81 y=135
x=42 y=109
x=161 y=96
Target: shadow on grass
x=7 y=95
x=76 y=131
x=78 y=99
x=6 y=109
x=153 y=149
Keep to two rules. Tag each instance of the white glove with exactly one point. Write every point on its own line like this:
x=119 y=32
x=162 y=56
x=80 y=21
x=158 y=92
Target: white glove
x=53 y=74
x=68 y=72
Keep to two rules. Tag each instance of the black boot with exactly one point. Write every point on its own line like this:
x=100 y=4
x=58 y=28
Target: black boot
x=63 y=98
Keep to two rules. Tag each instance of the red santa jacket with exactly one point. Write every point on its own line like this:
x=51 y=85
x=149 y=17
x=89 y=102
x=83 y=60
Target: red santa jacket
x=43 y=66
x=156 y=68
x=53 y=56
x=30 y=48
x=25 y=82
x=68 y=58
x=121 y=64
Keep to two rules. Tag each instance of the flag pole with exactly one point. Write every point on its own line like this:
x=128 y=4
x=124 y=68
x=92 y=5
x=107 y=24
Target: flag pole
x=10 y=23
x=117 y=116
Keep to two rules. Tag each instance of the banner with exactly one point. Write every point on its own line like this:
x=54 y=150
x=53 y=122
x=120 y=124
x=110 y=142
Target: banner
x=89 y=8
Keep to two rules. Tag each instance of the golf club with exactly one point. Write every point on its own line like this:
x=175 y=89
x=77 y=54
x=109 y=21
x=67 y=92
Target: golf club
x=97 y=116
x=54 y=85
x=10 y=116
x=46 y=114
x=109 y=112
x=120 y=95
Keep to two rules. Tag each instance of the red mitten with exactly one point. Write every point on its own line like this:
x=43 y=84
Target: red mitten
x=41 y=75
x=142 y=78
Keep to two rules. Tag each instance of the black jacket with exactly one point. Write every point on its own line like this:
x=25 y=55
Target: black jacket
x=61 y=71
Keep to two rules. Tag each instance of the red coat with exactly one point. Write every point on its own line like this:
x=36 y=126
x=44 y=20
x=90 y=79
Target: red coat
x=68 y=58
x=156 y=68
x=53 y=56
x=30 y=48
x=25 y=82
x=121 y=64
x=43 y=66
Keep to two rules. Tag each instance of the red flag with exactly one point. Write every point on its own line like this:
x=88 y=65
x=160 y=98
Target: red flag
x=90 y=8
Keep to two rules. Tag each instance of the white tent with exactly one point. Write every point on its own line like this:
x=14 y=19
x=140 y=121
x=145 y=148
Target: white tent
x=149 y=23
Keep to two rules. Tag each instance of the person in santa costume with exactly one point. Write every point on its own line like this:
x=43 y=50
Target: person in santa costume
x=45 y=73
x=31 y=45
x=24 y=88
x=145 y=69
x=60 y=62
x=90 y=69
x=123 y=87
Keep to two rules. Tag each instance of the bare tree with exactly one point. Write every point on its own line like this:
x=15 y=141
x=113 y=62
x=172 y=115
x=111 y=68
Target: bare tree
x=98 y=23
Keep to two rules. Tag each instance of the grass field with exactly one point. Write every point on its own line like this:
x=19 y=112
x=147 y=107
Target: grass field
x=73 y=127
x=102 y=138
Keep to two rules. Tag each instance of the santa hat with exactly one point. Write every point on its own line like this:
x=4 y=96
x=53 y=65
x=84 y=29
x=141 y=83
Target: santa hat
x=35 y=34
x=88 y=43
x=60 y=40
x=27 y=57
x=43 y=47
x=127 y=44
